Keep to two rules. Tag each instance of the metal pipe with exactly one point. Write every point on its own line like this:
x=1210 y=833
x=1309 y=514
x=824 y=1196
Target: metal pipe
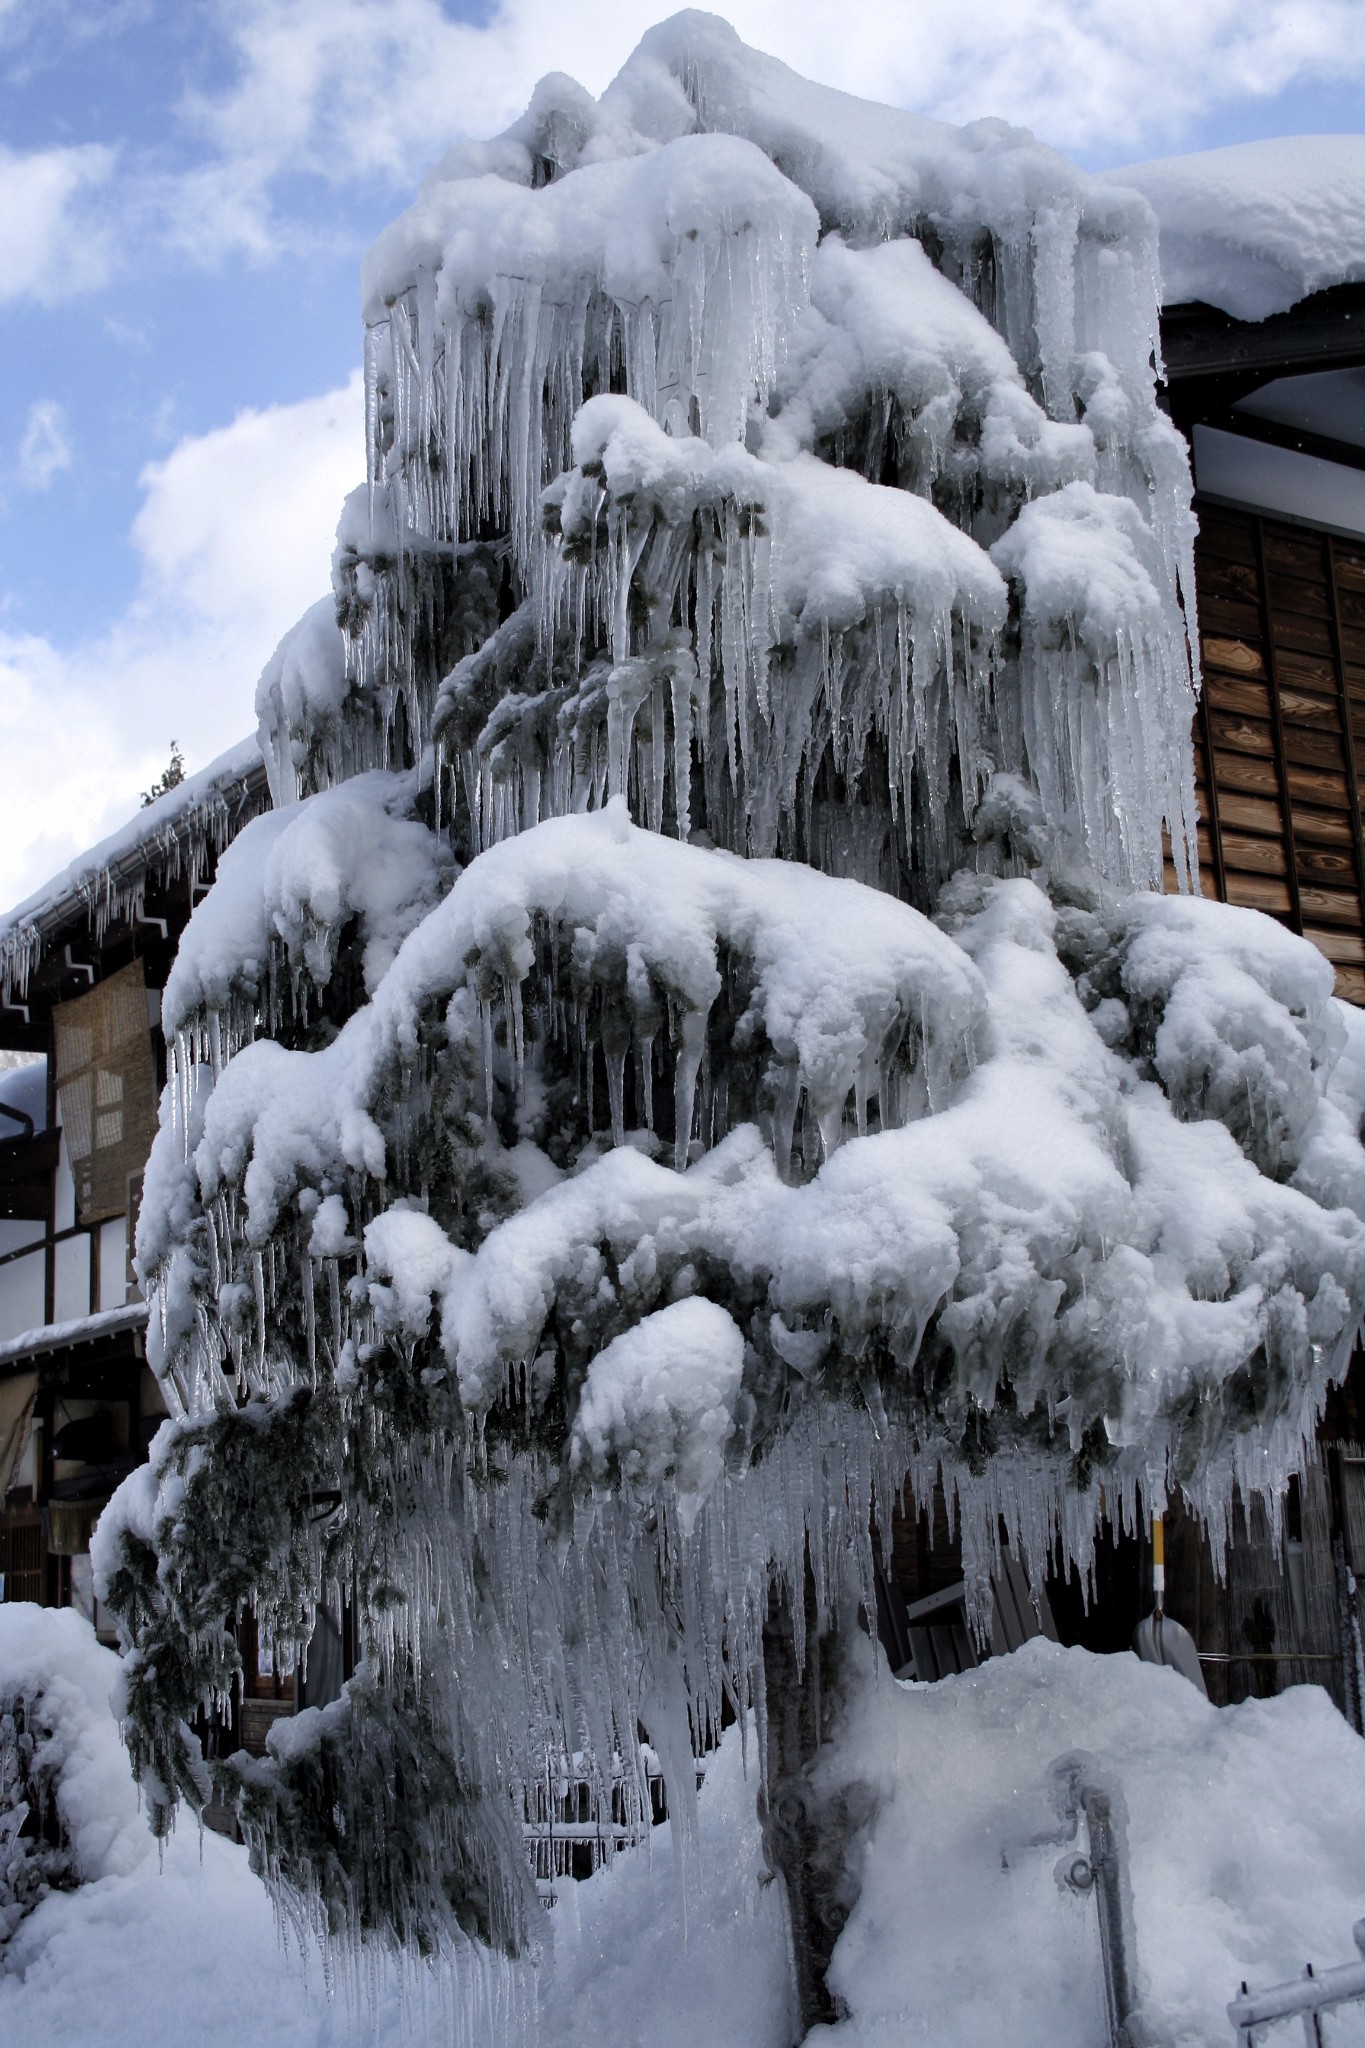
x=1116 y=1933
x=1105 y=1872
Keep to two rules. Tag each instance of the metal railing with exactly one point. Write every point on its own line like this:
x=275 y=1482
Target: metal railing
x=1304 y=1998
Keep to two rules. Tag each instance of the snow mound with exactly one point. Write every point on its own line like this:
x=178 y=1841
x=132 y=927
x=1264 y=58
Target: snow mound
x=59 y=1754
x=1257 y=226
x=147 y=1945
x=1244 y=1827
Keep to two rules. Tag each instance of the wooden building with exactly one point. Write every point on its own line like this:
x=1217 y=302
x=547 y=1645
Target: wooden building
x=82 y=966
x=1275 y=414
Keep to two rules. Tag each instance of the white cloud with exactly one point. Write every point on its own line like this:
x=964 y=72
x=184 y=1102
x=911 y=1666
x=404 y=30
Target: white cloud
x=45 y=447
x=239 y=522
x=235 y=537
x=375 y=88
x=55 y=241
x=368 y=93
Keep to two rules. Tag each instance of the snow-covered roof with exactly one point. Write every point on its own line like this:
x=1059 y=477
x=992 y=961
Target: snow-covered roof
x=1256 y=227
x=107 y=1322
x=163 y=839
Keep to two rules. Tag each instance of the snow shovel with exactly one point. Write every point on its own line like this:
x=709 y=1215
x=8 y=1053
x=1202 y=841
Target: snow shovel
x=1158 y=1639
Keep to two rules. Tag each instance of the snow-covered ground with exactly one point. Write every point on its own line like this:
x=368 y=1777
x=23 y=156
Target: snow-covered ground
x=1245 y=1829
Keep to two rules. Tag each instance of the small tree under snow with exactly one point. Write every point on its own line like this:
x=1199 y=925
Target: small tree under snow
x=698 y=1043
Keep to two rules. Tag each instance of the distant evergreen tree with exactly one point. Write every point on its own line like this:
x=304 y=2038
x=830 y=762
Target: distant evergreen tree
x=171 y=777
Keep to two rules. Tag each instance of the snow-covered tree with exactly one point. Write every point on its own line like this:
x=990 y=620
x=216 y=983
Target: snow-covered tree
x=699 y=1042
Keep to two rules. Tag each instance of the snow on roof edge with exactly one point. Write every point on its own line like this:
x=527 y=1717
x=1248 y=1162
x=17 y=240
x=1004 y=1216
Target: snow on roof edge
x=1254 y=227
x=106 y=1322
x=165 y=836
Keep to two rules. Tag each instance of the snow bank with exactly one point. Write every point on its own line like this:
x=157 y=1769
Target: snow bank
x=155 y=1945
x=1257 y=226
x=186 y=1949
x=1244 y=1830
x=637 y=1961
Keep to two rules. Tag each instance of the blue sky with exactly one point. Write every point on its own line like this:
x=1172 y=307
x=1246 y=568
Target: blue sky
x=186 y=187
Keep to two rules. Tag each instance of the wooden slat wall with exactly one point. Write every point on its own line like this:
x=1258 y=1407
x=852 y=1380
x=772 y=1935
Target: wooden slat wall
x=1282 y=720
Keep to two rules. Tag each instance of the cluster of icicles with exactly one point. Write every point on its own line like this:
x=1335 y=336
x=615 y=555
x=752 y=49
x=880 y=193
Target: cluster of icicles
x=633 y=1625
x=180 y=848
x=670 y=664
x=672 y=670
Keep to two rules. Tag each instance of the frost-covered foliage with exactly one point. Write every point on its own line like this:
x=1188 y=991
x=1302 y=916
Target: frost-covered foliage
x=556 y=1259
x=836 y=301
x=356 y=861
x=32 y=1862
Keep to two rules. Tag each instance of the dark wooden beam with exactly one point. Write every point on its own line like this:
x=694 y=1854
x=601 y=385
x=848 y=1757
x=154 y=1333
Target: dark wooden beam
x=1277 y=730
x=1275 y=434
x=26 y=1169
x=1212 y=359
x=1347 y=735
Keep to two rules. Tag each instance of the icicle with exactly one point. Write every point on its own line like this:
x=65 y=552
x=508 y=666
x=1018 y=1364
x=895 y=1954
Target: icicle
x=691 y=1043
